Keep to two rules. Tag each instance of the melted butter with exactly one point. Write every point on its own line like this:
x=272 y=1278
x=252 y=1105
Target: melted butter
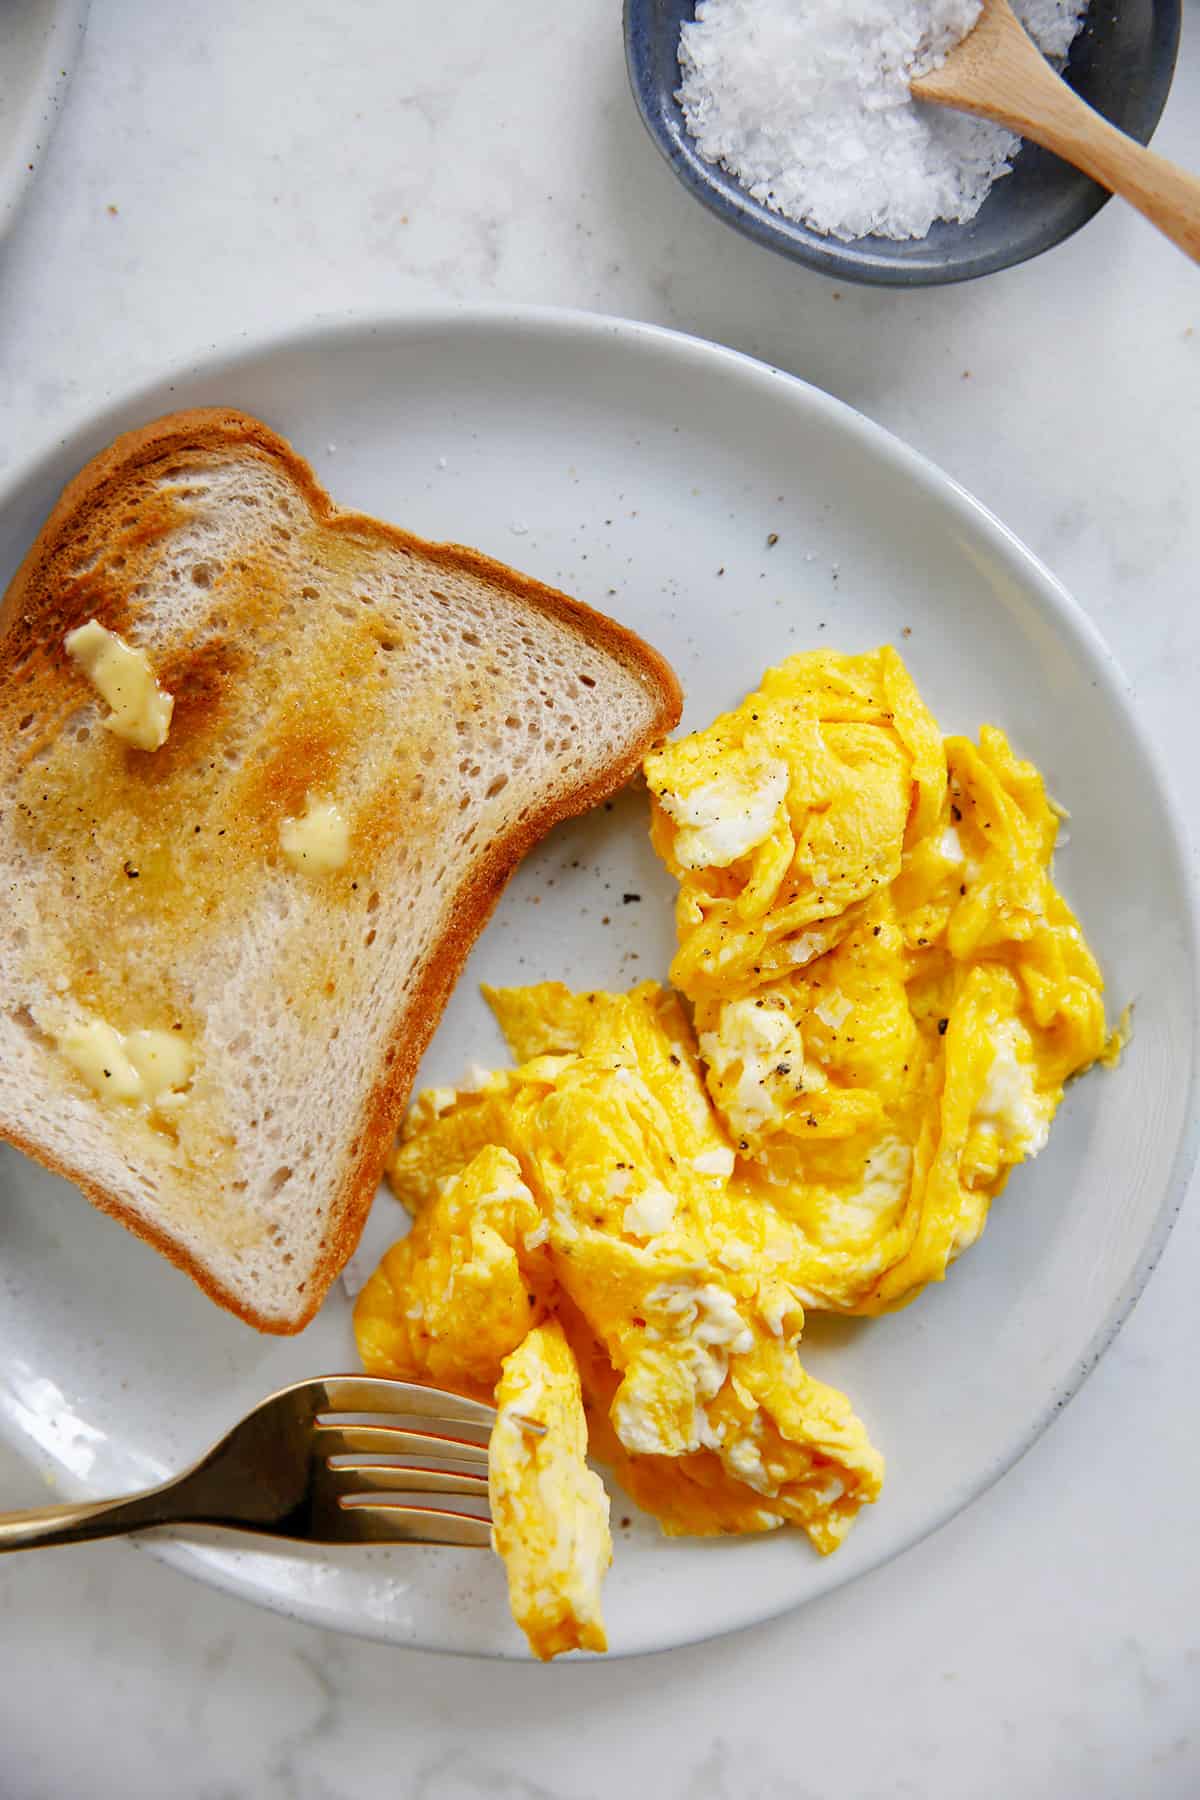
x=140 y=710
x=317 y=842
x=142 y=1067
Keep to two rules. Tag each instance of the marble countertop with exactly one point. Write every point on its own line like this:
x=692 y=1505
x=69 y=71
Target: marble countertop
x=224 y=168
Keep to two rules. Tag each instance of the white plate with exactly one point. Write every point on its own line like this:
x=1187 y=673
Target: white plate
x=644 y=472
x=39 y=41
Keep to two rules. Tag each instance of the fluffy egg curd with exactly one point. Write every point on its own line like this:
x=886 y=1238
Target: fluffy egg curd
x=878 y=996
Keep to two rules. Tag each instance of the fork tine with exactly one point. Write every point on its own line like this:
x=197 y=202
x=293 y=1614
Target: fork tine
x=377 y=1522
x=378 y=1393
x=358 y=1477
x=394 y=1440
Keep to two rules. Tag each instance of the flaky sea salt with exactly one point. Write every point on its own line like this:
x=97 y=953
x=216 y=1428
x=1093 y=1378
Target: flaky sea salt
x=807 y=104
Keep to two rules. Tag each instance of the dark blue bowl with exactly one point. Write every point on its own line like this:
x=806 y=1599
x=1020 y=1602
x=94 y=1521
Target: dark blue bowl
x=1121 y=62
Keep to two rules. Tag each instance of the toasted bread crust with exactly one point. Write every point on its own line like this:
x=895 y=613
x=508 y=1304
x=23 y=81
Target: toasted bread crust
x=31 y=614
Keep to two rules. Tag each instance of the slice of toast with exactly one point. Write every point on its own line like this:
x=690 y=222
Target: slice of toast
x=258 y=923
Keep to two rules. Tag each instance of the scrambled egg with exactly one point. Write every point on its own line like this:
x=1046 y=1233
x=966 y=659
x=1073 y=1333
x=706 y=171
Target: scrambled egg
x=550 y=1511
x=594 y=1181
x=451 y=1300
x=888 y=990
x=884 y=996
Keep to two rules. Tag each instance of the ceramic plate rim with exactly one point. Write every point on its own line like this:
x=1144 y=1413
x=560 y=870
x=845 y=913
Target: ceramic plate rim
x=332 y=331
x=32 y=139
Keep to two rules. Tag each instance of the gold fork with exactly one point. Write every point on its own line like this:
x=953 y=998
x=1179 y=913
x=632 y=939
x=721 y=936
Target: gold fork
x=308 y=1463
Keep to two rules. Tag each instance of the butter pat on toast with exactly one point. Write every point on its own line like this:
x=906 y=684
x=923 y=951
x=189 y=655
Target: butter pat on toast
x=223 y=956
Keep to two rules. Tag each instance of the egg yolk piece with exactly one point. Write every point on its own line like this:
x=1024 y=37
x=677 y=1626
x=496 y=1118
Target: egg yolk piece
x=549 y=1510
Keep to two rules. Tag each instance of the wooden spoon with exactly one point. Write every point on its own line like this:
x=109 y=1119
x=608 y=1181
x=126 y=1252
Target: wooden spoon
x=998 y=72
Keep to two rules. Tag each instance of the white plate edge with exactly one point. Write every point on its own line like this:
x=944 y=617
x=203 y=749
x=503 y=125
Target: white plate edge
x=42 y=106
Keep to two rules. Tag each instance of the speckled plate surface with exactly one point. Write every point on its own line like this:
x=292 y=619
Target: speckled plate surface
x=647 y=472
x=39 y=42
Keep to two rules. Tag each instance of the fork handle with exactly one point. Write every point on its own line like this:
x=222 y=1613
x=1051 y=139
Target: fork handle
x=75 y=1524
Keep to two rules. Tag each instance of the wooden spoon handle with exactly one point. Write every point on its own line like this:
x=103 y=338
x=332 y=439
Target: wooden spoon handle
x=998 y=73
x=1168 y=195
x=1165 y=193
